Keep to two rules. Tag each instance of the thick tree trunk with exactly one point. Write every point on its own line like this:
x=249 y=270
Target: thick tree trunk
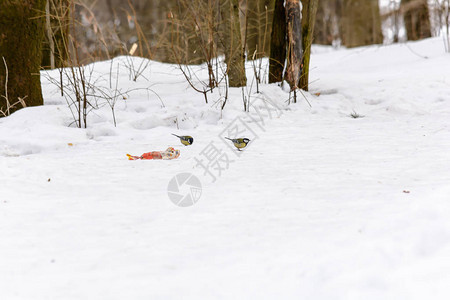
x=322 y=32
x=361 y=23
x=21 y=34
x=417 y=19
x=309 y=19
x=234 y=51
x=294 y=42
x=326 y=27
x=277 y=43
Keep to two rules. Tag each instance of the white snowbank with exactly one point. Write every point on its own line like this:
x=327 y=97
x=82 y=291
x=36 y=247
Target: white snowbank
x=320 y=205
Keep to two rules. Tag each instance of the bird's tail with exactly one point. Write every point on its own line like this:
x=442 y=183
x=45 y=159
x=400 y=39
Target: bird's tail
x=176 y=135
x=228 y=139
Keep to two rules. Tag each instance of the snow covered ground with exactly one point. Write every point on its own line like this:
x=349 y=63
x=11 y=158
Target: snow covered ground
x=319 y=206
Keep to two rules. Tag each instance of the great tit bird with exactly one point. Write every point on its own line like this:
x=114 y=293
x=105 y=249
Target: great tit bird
x=239 y=143
x=185 y=139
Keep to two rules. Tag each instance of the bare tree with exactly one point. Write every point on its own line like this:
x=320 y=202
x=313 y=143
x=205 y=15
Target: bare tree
x=294 y=42
x=54 y=54
x=361 y=23
x=232 y=42
x=326 y=28
x=277 y=43
x=309 y=19
x=292 y=35
x=417 y=19
x=21 y=34
x=259 y=25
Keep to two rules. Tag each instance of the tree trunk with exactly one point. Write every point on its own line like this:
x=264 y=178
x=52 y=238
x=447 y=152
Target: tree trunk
x=55 y=43
x=361 y=23
x=309 y=18
x=294 y=41
x=321 y=34
x=417 y=19
x=258 y=27
x=326 y=27
x=277 y=43
x=21 y=35
x=234 y=51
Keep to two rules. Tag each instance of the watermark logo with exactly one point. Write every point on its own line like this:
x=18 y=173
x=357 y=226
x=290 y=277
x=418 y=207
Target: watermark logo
x=184 y=190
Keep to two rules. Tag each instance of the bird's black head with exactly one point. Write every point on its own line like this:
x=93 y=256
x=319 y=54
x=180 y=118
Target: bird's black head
x=246 y=140
x=190 y=140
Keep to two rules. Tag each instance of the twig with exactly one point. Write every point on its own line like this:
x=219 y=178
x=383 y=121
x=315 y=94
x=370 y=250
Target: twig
x=305 y=98
x=414 y=52
x=6 y=86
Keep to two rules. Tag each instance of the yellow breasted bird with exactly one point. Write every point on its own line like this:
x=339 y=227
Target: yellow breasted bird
x=239 y=143
x=185 y=139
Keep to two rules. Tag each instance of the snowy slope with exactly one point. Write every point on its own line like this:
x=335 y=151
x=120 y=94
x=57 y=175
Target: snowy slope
x=319 y=206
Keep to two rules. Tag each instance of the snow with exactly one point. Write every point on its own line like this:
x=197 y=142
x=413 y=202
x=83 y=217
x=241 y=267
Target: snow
x=319 y=206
